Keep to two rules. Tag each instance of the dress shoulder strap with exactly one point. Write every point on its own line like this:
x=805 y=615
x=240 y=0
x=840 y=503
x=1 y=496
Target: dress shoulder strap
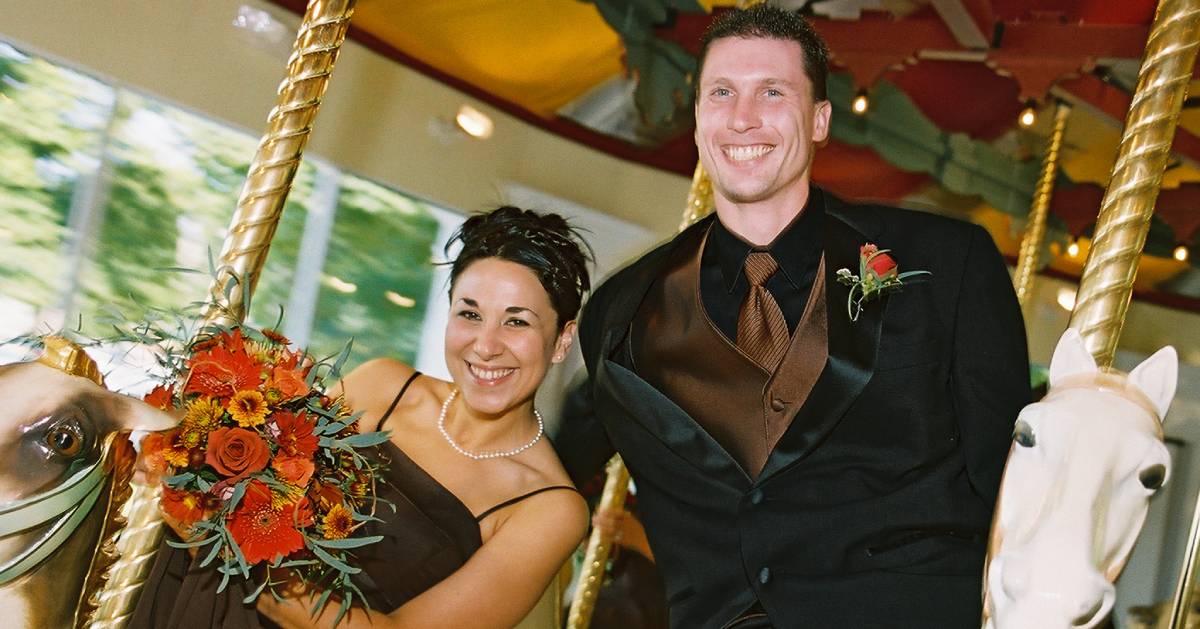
x=392 y=406
x=513 y=501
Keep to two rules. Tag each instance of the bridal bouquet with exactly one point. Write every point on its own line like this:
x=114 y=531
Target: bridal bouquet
x=264 y=469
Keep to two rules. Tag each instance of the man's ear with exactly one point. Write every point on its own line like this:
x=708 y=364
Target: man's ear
x=822 y=111
x=563 y=344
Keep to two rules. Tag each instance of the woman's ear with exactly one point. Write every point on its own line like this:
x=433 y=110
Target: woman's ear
x=563 y=344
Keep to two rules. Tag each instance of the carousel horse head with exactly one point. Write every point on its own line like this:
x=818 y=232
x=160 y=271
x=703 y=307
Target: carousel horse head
x=57 y=423
x=1084 y=462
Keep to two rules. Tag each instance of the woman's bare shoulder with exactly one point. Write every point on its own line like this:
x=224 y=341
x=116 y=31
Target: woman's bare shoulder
x=371 y=388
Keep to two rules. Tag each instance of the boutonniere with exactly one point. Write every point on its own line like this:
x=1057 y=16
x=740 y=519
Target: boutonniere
x=877 y=274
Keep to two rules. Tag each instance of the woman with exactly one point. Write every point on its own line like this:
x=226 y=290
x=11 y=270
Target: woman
x=485 y=515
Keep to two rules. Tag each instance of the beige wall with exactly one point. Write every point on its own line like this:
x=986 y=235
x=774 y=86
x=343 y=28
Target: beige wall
x=375 y=120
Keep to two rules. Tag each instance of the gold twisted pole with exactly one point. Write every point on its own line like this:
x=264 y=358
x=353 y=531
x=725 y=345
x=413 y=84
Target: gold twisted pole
x=599 y=547
x=259 y=208
x=1035 y=226
x=700 y=198
x=1124 y=220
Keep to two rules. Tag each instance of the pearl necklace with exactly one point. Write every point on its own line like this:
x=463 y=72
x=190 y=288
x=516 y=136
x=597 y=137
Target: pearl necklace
x=479 y=456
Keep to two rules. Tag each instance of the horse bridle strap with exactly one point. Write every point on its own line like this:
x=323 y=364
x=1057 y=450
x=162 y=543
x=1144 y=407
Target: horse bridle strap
x=70 y=502
x=1109 y=381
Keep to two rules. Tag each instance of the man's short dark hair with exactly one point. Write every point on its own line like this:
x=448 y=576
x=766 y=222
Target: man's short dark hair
x=767 y=22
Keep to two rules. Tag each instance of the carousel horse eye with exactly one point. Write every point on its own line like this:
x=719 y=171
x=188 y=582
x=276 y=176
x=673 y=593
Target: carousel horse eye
x=65 y=440
x=1152 y=477
x=1023 y=434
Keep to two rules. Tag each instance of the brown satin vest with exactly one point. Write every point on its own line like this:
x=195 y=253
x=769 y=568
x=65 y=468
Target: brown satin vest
x=677 y=349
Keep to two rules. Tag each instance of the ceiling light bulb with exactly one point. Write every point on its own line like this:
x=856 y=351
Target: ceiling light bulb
x=861 y=103
x=1180 y=253
x=1028 y=116
x=1073 y=249
x=474 y=123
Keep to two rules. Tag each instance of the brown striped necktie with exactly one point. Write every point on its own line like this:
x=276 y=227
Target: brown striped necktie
x=762 y=331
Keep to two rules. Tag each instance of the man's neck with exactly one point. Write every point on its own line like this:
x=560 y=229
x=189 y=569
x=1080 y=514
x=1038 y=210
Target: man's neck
x=759 y=223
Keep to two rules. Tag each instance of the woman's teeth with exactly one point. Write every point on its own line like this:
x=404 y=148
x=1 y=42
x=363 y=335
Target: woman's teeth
x=489 y=374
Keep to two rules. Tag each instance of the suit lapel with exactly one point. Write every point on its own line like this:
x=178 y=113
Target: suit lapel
x=648 y=407
x=621 y=311
x=852 y=347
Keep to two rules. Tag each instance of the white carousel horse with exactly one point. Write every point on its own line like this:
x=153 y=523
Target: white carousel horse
x=55 y=430
x=1084 y=463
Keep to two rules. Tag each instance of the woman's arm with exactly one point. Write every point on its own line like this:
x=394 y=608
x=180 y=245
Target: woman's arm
x=497 y=586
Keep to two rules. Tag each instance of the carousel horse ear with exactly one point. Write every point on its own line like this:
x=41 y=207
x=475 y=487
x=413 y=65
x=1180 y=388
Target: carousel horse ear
x=1157 y=377
x=1071 y=356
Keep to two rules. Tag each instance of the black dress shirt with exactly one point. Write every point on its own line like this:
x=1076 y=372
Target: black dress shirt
x=797 y=250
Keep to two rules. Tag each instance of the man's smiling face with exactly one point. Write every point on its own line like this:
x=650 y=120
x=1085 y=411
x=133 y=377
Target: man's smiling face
x=756 y=122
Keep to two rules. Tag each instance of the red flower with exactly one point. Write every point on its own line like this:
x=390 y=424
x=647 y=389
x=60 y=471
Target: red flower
x=263 y=531
x=236 y=453
x=185 y=506
x=882 y=264
x=296 y=436
x=867 y=250
x=275 y=336
x=224 y=369
x=161 y=397
x=295 y=470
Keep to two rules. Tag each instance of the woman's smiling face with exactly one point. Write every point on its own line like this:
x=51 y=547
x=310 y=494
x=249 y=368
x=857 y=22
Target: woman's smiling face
x=502 y=335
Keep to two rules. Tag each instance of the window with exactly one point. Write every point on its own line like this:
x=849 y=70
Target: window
x=105 y=193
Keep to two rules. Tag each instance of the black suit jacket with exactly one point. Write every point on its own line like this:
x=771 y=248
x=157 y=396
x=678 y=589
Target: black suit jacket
x=873 y=509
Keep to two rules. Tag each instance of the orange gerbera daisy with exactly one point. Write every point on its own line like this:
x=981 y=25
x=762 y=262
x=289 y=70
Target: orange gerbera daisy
x=185 y=506
x=338 y=523
x=248 y=408
x=223 y=369
x=261 y=530
x=296 y=436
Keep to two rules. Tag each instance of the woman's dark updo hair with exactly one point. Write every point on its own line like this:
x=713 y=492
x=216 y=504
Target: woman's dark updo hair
x=543 y=243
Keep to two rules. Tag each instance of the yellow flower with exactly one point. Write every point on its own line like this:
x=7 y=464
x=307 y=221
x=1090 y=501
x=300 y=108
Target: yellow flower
x=338 y=523
x=175 y=457
x=248 y=408
x=203 y=415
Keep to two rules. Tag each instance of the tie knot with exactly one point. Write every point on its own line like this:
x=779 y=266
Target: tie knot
x=760 y=266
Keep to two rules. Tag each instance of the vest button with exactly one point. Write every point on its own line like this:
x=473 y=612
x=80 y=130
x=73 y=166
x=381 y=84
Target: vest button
x=764 y=576
x=756 y=497
x=777 y=405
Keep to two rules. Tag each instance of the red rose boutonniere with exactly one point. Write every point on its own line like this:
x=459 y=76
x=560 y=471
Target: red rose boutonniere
x=877 y=274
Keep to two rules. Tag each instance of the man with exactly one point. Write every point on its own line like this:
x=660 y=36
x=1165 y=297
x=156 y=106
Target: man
x=802 y=459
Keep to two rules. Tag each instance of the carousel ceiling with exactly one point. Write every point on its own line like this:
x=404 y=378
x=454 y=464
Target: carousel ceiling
x=946 y=83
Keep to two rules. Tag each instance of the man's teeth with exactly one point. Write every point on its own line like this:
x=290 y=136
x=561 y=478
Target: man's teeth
x=746 y=153
x=489 y=374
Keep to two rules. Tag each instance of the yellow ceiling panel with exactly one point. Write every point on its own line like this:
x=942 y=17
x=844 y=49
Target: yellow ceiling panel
x=539 y=54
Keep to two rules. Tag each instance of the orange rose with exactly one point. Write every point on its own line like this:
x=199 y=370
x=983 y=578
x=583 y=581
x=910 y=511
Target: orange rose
x=294 y=470
x=236 y=453
x=288 y=382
